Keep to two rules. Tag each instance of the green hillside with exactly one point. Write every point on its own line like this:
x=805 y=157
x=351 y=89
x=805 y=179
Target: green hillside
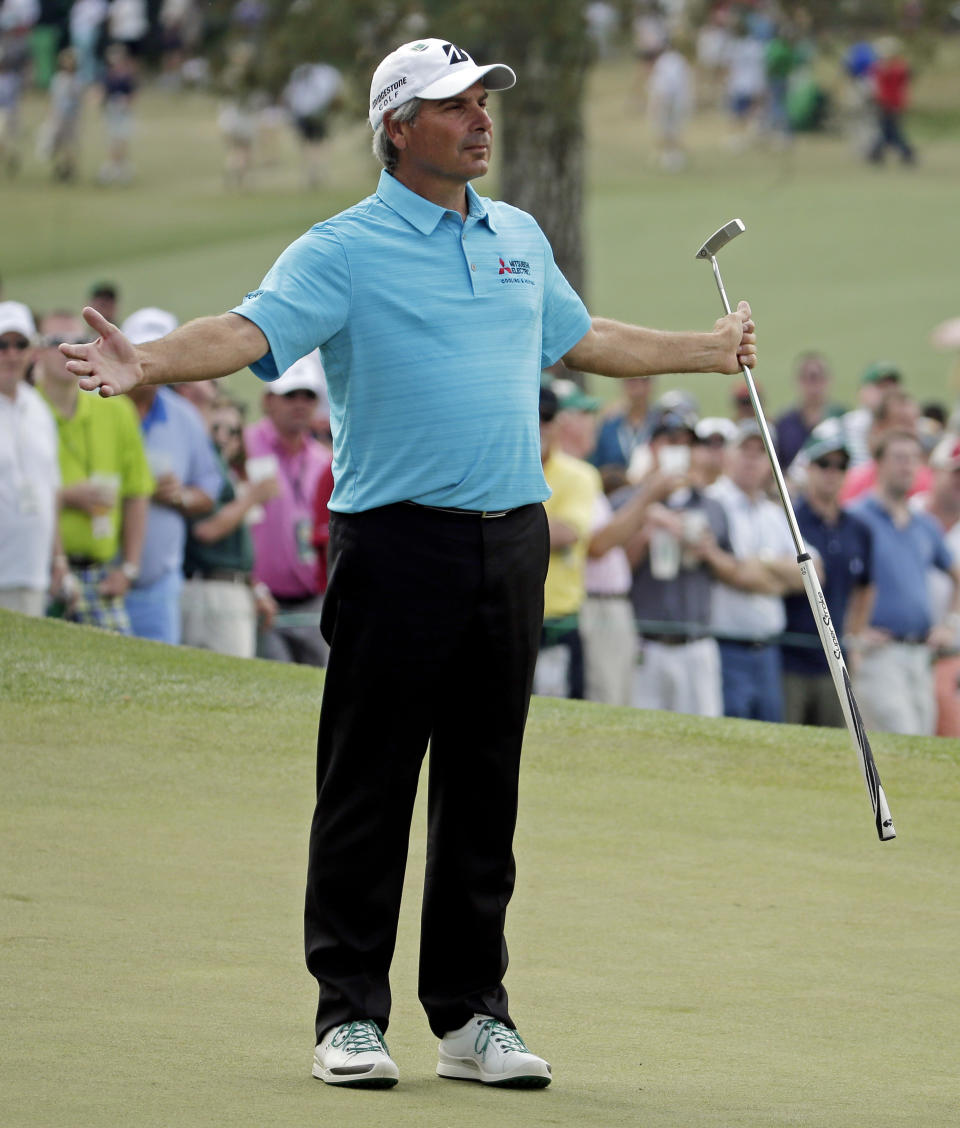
x=706 y=931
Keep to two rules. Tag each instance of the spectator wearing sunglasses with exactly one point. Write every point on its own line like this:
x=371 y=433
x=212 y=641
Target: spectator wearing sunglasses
x=285 y=557
x=29 y=473
x=107 y=482
x=220 y=603
x=844 y=544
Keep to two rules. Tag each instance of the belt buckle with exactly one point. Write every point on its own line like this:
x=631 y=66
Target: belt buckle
x=487 y=513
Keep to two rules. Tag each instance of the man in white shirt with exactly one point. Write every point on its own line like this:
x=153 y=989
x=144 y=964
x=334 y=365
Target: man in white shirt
x=746 y=618
x=29 y=471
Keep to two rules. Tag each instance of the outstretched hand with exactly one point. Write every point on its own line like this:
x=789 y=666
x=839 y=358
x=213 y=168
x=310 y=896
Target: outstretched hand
x=740 y=339
x=109 y=364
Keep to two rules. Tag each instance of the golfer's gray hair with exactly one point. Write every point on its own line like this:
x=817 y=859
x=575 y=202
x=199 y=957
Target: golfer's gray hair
x=383 y=148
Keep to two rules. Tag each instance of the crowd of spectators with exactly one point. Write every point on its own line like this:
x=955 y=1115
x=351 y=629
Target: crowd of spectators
x=753 y=60
x=94 y=55
x=673 y=581
x=159 y=514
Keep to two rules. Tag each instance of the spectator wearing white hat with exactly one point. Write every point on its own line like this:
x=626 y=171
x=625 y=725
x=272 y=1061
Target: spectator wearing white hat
x=285 y=559
x=29 y=472
x=747 y=609
x=713 y=436
x=187 y=482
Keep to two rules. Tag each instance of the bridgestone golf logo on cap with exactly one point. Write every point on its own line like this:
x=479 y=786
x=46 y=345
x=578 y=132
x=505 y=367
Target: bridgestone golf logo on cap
x=388 y=93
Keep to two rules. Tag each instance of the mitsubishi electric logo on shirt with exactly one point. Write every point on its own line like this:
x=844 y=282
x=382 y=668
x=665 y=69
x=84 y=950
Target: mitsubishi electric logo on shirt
x=516 y=270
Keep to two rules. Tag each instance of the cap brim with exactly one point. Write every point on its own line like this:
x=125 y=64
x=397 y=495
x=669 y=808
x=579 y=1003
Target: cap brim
x=496 y=76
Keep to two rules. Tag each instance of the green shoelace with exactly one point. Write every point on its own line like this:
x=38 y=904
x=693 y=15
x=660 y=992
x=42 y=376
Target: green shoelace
x=503 y=1036
x=359 y=1038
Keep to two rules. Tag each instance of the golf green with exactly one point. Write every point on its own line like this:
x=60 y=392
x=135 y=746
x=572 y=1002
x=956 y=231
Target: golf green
x=706 y=931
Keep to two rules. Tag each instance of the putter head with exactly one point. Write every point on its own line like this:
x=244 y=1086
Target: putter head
x=720 y=238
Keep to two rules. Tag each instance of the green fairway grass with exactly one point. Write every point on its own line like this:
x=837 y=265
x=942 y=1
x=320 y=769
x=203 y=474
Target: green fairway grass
x=851 y=259
x=705 y=932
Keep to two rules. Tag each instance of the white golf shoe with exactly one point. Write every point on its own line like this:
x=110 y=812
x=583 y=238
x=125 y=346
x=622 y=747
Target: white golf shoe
x=487 y=1050
x=355 y=1054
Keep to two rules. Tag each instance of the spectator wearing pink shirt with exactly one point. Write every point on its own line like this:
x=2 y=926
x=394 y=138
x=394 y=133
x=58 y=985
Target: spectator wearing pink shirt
x=285 y=558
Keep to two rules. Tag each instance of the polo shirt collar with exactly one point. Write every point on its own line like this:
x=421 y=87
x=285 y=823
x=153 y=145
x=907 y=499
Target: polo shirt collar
x=422 y=213
x=157 y=413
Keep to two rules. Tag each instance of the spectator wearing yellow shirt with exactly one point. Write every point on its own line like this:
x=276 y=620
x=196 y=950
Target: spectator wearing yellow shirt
x=575 y=487
x=106 y=483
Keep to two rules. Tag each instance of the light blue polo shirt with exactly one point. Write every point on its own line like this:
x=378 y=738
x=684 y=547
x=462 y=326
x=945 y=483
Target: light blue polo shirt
x=433 y=332
x=901 y=559
x=176 y=441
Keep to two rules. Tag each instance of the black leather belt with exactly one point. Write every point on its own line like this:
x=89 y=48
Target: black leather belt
x=483 y=513
x=672 y=639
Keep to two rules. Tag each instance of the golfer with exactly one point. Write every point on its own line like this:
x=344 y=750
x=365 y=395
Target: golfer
x=435 y=310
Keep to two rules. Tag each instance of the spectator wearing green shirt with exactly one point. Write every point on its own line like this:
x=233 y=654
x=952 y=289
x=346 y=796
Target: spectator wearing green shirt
x=106 y=482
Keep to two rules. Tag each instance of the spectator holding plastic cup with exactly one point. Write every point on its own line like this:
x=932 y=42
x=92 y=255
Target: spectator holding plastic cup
x=106 y=483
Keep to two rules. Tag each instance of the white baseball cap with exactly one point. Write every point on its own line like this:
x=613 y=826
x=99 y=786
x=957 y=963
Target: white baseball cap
x=429 y=68
x=148 y=324
x=304 y=375
x=716 y=425
x=15 y=317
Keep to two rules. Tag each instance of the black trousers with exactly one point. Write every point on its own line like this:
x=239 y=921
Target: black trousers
x=433 y=620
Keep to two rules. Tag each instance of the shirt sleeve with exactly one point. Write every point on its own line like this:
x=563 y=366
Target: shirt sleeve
x=866 y=549
x=942 y=556
x=303 y=300
x=565 y=317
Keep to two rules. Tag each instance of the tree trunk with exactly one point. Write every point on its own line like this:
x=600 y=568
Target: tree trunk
x=540 y=132
x=541 y=144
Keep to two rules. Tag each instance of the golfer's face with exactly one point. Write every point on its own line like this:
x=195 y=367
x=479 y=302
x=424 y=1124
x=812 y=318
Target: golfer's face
x=452 y=137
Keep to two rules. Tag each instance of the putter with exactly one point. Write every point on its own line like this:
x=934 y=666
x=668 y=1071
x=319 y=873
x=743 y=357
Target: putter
x=811 y=582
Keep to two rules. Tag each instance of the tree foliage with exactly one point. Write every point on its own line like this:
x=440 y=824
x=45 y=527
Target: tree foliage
x=540 y=126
